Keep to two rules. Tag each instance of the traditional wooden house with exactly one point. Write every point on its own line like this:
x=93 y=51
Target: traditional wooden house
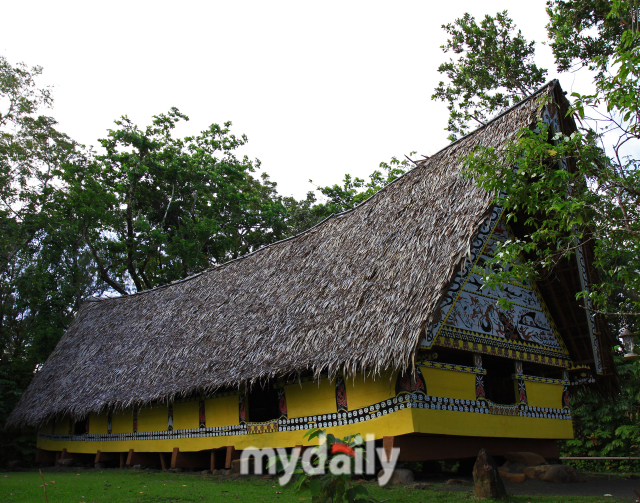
x=373 y=321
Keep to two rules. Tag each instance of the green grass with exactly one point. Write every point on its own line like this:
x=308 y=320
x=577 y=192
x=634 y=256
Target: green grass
x=109 y=486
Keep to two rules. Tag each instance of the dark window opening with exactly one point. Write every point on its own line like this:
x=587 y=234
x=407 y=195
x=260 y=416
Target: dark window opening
x=263 y=403
x=535 y=369
x=499 y=385
x=80 y=427
x=454 y=357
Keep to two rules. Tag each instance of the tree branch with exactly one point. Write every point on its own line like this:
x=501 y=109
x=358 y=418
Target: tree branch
x=103 y=272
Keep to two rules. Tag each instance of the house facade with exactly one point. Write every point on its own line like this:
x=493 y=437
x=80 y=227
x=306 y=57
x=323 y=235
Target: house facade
x=375 y=321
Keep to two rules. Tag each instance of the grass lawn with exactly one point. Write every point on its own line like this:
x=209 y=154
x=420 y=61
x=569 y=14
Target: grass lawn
x=107 y=486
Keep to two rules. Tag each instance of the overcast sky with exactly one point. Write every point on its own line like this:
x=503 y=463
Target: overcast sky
x=321 y=89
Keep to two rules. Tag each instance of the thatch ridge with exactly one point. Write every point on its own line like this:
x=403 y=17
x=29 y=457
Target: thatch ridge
x=354 y=292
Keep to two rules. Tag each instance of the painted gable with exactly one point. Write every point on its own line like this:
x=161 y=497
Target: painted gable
x=469 y=316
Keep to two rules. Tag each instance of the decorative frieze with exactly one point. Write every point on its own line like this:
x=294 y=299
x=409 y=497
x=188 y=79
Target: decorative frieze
x=383 y=408
x=546 y=380
x=450 y=366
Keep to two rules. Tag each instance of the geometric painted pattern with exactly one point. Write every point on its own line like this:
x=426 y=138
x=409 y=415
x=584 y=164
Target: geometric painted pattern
x=402 y=401
x=470 y=314
x=469 y=341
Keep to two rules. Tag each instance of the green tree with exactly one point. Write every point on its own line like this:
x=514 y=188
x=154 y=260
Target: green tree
x=155 y=208
x=493 y=69
x=567 y=186
x=582 y=30
x=607 y=428
x=43 y=271
x=585 y=186
x=305 y=213
x=353 y=190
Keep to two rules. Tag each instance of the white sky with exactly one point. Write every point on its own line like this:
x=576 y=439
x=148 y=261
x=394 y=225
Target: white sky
x=320 y=89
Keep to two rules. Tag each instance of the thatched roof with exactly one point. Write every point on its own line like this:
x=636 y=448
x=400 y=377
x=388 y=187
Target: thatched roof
x=354 y=292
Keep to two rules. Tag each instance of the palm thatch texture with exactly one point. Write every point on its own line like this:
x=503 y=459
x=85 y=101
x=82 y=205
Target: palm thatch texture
x=355 y=292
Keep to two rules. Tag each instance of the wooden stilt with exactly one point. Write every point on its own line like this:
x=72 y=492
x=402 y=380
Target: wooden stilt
x=212 y=462
x=387 y=447
x=123 y=459
x=230 y=452
x=163 y=461
x=174 y=457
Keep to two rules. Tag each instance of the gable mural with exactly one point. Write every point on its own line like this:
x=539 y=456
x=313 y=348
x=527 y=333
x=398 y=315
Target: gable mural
x=469 y=316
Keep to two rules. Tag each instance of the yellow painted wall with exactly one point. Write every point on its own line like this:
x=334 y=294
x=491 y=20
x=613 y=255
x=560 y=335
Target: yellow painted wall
x=98 y=424
x=544 y=395
x=62 y=426
x=399 y=423
x=445 y=422
x=122 y=422
x=153 y=418
x=450 y=384
x=47 y=428
x=311 y=398
x=186 y=415
x=223 y=411
x=366 y=391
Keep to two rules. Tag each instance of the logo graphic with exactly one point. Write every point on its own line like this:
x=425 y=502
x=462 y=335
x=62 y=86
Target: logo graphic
x=343 y=459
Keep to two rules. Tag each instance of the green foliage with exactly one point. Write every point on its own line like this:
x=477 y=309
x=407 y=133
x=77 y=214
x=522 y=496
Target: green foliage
x=585 y=185
x=583 y=30
x=329 y=487
x=305 y=213
x=156 y=208
x=607 y=428
x=494 y=69
x=566 y=186
x=354 y=190
x=44 y=273
x=531 y=180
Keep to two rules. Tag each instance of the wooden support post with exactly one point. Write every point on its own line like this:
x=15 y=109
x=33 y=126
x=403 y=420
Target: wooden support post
x=212 y=462
x=163 y=461
x=387 y=447
x=130 y=457
x=230 y=452
x=174 y=457
x=123 y=459
x=64 y=454
x=97 y=460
